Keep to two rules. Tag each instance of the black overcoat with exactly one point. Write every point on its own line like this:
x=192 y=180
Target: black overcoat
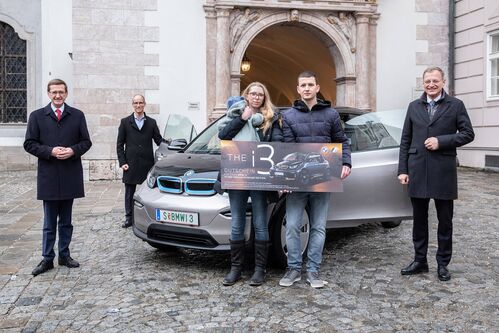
x=58 y=179
x=134 y=147
x=433 y=173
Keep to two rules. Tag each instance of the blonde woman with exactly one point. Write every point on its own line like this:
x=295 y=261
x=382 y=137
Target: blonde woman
x=250 y=117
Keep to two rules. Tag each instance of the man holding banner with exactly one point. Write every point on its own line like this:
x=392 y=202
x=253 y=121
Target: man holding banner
x=310 y=120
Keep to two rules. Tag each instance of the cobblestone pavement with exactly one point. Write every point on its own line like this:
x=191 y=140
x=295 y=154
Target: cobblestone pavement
x=124 y=285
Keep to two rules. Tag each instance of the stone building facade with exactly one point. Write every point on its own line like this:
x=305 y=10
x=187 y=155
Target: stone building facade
x=185 y=57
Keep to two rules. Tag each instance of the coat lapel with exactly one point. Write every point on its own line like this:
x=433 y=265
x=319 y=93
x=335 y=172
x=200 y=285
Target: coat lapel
x=48 y=112
x=441 y=109
x=132 y=122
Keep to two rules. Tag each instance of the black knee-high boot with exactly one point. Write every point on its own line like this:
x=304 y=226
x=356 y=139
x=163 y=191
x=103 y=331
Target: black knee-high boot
x=236 y=262
x=261 y=254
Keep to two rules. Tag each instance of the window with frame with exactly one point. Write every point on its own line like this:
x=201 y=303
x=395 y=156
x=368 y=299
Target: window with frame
x=13 y=76
x=493 y=66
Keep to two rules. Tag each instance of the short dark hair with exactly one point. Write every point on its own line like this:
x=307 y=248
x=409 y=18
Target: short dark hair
x=434 y=68
x=55 y=82
x=307 y=74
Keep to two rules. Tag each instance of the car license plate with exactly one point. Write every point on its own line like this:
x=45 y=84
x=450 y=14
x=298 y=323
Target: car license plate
x=278 y=173
x=177 y=217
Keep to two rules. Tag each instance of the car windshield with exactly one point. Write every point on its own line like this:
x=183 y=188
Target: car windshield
x=206 y=143
x=375 y=130
x=295 y=157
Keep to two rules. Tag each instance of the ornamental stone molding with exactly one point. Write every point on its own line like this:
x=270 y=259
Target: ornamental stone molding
x=345 y=27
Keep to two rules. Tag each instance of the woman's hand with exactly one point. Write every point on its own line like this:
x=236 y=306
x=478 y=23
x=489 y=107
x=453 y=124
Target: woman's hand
x=247 y=113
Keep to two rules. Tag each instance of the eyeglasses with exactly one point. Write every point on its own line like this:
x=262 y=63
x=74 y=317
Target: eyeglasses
x=428 y=82
x=60 y=92
x=138 y=103
x=255 y=94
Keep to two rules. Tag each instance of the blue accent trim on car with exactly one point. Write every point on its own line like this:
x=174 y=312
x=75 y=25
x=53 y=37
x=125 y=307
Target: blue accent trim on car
x=170 y=189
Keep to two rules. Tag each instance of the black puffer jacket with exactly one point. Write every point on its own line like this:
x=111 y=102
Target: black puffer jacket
x=321 y=124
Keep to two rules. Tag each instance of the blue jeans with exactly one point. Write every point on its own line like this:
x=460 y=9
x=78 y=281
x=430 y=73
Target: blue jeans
x=238 y=202
x=57 y=215
x=295 y=206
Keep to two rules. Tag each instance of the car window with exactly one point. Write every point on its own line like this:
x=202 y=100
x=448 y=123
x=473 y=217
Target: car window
x=375 y=130
x=206 y=143
x=179 y=127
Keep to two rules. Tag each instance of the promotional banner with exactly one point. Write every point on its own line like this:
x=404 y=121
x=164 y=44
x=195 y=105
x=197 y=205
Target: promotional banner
x=306 y=167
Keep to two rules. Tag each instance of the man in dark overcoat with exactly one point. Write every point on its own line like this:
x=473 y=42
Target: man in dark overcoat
x=434 y=126
x=57 y=134
x=135 y=151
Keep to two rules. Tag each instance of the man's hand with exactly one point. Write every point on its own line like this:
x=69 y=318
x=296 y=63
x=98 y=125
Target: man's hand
x=62 y=153
x=403 y=179
x=431 y=143
x=125 y=167
x=345 y=172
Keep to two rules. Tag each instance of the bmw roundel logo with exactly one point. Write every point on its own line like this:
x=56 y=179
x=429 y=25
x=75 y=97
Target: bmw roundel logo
x=324 y=149
x=189 y=172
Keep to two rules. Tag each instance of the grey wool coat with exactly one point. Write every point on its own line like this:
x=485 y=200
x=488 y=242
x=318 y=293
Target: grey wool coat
x=58 y=179
x=433 y=173
x=134 y=147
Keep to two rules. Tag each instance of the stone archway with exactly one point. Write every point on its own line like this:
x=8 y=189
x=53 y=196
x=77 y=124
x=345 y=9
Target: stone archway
x=347 y=28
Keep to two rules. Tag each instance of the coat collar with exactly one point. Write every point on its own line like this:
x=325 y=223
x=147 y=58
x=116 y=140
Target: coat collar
x=443 y=106
x=49 y=112
x=131 y=119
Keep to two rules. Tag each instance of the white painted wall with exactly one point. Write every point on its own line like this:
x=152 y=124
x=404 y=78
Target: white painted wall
x=182 y=61
x=396 y=71
x=57 y=41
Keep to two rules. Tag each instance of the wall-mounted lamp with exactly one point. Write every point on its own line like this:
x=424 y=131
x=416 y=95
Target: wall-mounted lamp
x=245 y=64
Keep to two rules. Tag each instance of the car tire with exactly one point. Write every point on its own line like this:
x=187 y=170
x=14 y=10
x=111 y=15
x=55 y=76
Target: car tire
x=304 y=177
x=277 y=230
x=162 y=247
x=390 y=224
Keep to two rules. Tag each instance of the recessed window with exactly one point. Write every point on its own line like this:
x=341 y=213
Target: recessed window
x=13 y=97
x=493 y=66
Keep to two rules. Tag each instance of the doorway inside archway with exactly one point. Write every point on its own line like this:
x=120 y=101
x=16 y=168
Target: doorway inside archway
x=281 y=52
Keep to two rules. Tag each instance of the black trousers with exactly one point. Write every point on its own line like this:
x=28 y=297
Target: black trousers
x=129 y=191
x=57 y=216
x=445 y=212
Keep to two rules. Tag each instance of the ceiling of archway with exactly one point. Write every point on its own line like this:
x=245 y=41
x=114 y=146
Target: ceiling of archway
x=279 y=53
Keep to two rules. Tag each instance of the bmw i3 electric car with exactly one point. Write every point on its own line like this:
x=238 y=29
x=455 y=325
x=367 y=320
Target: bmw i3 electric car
x=177 y=205
x=302 y=167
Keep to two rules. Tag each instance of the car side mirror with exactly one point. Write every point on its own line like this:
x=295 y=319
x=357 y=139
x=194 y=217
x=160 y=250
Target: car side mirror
x=177 y=144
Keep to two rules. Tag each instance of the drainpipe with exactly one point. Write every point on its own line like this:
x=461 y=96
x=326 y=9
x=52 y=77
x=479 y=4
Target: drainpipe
x=452 y=30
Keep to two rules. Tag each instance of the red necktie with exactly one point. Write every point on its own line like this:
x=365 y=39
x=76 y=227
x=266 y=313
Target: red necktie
x=58 y=114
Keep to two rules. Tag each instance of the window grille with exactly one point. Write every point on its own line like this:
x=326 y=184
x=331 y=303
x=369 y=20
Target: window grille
x=13 y=96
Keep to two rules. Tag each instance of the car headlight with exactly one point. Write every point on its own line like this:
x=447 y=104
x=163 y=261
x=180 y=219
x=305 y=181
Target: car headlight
x=294 y=166
x=151 y=179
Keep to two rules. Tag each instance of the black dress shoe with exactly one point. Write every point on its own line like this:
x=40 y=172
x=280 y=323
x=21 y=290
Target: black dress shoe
x=443 y=273
x=415 y=268
x=126 y=224
x=68 y=262
x=43 y=266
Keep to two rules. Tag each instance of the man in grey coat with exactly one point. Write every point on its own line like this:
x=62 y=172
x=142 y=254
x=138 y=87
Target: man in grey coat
x=57 y=134
x=434 y=126
x=135 y=151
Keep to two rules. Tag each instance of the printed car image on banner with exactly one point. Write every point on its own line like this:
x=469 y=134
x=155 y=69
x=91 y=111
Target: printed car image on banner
x=306 y=167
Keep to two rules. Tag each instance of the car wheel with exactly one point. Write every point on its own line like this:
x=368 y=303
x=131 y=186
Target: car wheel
x=304 y=177
x=279 y=253
x=162 y=247
x=390 y=224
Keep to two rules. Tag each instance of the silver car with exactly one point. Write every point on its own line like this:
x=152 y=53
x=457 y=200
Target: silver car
x=177 y=205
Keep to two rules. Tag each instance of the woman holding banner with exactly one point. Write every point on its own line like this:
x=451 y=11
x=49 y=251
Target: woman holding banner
x=250 y=117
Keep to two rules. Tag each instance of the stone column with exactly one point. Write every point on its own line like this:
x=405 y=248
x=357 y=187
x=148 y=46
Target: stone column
x=211 y=42
x=373 y=22
x=222 y=61
x=235 y=84
x=362 y=61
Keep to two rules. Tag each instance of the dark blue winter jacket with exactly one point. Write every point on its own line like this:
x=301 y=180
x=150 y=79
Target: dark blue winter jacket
x=321 y=124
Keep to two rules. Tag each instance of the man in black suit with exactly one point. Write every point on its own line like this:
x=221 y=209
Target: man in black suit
x=435 y=125
x=134 y=150
x=57 y=134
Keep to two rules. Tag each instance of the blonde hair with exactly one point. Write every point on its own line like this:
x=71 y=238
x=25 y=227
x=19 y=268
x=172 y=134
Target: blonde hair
x=267 y=108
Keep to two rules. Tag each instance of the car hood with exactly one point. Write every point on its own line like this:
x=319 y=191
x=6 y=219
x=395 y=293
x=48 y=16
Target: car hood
x=287 y=164
x=177 y=165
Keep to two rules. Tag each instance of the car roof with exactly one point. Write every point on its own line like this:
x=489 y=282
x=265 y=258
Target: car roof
x=341 y=109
